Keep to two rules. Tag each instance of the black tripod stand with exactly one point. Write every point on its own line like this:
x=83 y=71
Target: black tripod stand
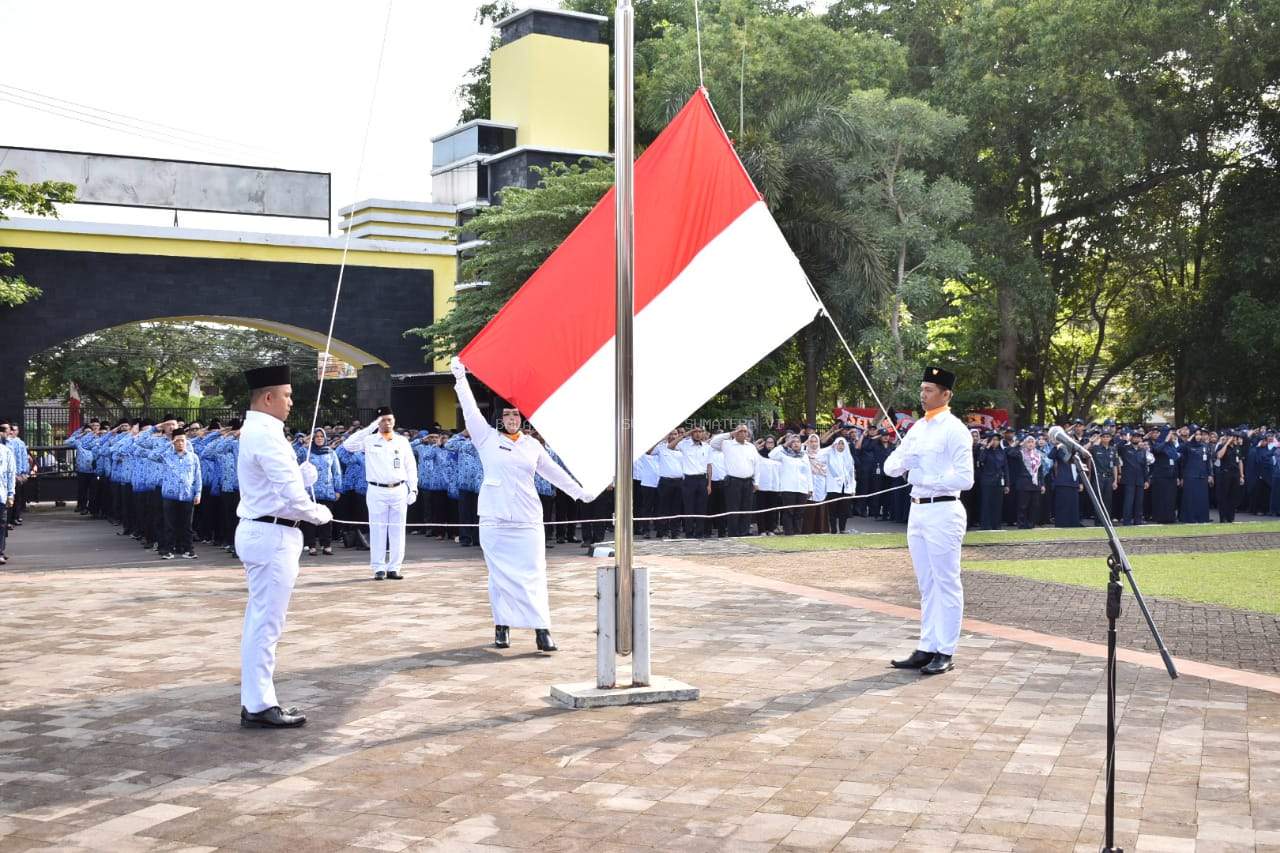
x=1117 y=562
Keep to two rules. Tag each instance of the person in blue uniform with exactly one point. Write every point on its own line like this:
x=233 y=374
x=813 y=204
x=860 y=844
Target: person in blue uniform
x=1164 y=477
x=470 y=477
x=82 y=441
x=353 y=505
x=1066 y=490
x=439 y=476
x=180 y=486
x=993 y=480
x=326 y=491
x=1195 y=475
x=1106 y=469
x=22 y=462
x=1026 y=479
x=1134 y=477
x=1228 y=475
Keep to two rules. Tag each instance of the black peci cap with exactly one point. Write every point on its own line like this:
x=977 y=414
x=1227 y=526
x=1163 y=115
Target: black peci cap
x=384 y=410
x=267 y=377
x=938 y=376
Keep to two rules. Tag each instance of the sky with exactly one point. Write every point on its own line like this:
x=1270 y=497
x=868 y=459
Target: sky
x=282 y=83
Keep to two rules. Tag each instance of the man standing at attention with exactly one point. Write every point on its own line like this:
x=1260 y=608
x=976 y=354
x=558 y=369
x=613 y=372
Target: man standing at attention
x=273 y=505
x=392 y=473
x=936 y=455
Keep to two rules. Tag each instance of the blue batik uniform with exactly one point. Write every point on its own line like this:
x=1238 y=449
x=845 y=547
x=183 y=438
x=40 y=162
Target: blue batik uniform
x=180 y=476
x=470 y=473
x=104 y=455
x=1195 y=469
x=122 y=459
x=426 y=464
x=328 y=474
x=210 y=473
x=83 y=443
x=353 y=479
x=146 y=472
x=21 y=458
x=228 y=458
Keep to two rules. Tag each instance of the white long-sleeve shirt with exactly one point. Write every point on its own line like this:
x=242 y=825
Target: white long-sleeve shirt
x=645 y=470
x=938 y=454
x=386 y=460
x=694 y=457
x=740 y=459
x=670 y=462
x=795 y=474
x=268 y=473
x=768 y=472
x=507 y=494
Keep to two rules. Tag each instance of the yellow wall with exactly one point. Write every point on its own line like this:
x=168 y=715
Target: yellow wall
x=446 y=406
x=555 y=90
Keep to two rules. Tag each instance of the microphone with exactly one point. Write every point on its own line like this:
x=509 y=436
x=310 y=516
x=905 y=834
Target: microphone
x=1062 y=438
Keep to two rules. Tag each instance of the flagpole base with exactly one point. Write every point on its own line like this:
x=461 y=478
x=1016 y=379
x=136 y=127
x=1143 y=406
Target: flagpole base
x=586 y=694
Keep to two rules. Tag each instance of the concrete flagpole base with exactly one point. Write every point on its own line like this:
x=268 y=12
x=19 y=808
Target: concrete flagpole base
x=585 y=694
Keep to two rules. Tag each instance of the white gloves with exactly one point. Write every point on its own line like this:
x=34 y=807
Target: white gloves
x=456 y=368
x=321 y=515
x=413 y=497
x=309 y=474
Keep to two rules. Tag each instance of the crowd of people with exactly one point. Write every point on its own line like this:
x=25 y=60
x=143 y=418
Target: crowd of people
x=171 y=485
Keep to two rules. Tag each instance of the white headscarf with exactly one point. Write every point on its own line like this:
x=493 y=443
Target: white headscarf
x=840 y=470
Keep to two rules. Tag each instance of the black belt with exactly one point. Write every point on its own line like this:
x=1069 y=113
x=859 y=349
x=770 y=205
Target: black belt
x=388 y=485
x=275 y=519
x=937 y=500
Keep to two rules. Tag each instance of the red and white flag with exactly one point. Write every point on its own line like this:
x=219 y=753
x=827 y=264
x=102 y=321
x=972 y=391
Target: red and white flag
x=717 y=288
x=73 y=408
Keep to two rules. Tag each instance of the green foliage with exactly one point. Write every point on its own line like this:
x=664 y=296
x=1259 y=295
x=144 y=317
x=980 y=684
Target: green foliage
x=151 y=364
x=38 y=199
x=519 y=235
x=474 y=92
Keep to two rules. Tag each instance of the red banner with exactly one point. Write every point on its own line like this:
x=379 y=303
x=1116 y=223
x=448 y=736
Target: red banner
x=864 y=417
x=987 y=418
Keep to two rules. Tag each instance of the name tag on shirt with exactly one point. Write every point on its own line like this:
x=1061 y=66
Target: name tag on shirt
x=504 y=447
x=395 y=463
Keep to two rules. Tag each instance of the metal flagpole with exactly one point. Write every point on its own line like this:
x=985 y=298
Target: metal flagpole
x=624 y=235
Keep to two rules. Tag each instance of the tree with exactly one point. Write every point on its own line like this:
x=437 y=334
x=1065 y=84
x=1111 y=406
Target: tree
x=152 y=364
x=517 y=236
x=911 y=217
x=38 y=199
x=475 y=89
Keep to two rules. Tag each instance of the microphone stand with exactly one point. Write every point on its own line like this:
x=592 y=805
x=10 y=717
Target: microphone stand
x=1117 y=563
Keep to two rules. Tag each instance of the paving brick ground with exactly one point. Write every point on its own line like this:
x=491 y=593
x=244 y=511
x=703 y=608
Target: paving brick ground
x=118 y=694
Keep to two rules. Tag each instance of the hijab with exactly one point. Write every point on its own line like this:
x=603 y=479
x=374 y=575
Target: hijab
x=1031 y=459
x=320 y=449
x=839 y=460
x=814 y=450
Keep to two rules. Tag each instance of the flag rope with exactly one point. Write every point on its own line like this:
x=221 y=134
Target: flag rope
x=346 y=246
x=697 y=29
x=609 y=520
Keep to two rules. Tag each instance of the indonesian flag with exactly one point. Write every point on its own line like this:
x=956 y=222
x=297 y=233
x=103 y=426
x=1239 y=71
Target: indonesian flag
x=717 y=288
x=73 y=408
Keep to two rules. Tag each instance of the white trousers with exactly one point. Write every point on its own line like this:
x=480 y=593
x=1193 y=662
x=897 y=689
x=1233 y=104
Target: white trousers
x=934 y=534
x=270 y=555
x=388 y=509
x=517 y=561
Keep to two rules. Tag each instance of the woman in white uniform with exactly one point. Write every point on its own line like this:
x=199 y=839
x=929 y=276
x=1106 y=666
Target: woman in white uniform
x=510 y=512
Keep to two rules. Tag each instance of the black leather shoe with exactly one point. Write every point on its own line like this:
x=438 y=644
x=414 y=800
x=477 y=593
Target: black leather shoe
x=379 y=575
x=394 y=576
x=272 y=718
x=941 y=663
x=542 y=636
x=502 y=636
x=917 y=660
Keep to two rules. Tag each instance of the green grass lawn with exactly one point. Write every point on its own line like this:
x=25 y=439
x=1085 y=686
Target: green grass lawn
x=1248 y=580
x=994 y=537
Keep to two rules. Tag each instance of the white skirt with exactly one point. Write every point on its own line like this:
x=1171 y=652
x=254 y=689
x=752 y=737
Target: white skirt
x=517 y=561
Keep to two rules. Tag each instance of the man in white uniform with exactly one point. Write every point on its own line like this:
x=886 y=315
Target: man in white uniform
x=510 y=514
x=273 y=503
x=937 y=456
x=392 y=472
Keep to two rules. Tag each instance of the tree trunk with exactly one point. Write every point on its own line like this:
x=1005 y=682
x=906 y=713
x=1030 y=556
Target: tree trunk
x=1007 y=353
x=811 y=375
